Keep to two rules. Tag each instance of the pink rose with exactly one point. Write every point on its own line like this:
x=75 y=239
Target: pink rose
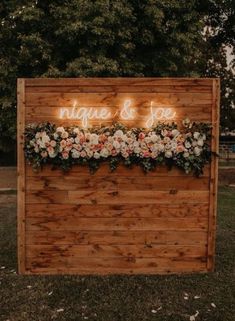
x=53 y=143
x=44 y=154
x=65 y=155
x=141 y=136
x=83 y=153
x=146 y=154
x=50 y=149
x=63 y=143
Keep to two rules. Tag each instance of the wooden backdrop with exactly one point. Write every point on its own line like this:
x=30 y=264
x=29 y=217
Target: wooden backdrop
x=121 y=222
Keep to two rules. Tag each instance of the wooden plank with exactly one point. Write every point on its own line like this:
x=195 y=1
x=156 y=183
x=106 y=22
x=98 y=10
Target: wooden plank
x=97 y=250
x=106 y=237
x=117 y=99
x=104 y=170
x=116 y=265
x=115 y=224
x=21 y=175
x=117 y=197
x=120 y=210
x=114 y=183
x=214 y=176
x=121 y=89
x=118 y=81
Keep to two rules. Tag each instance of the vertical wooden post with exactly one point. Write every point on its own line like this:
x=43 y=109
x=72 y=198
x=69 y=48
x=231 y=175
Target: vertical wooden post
x=21 y=175
x=213 y=174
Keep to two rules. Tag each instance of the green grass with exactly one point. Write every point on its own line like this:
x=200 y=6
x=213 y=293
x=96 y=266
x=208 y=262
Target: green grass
x=120 y=298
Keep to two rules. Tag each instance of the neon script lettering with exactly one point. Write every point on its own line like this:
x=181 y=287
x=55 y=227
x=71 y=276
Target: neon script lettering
x=85 y=114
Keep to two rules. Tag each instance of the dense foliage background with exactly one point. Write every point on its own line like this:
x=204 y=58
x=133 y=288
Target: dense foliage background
x=80 y=38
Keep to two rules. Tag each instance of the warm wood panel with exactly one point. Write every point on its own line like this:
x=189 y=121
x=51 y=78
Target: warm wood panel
x=106 y=237
x=104 y=171
x=97 y=250
x=114 y=183
x=117 y=224
x=115 y=265
x=129 y=81
x=139 y=100
x=121 y=89
x=117 y=197
x=125 y=221
x=107 y=210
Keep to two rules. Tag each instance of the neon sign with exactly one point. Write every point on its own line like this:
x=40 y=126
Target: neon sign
x=127 y=112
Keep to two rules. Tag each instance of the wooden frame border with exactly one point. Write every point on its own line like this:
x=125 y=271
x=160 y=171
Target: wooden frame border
x=213 y=175
x=22 y=83
x=21 y=175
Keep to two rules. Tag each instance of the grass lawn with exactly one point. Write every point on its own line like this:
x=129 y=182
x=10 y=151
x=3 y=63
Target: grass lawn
x=124 y=298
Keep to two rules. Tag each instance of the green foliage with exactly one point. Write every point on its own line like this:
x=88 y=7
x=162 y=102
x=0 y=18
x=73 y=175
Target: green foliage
x=61 y=147
x=7 y=129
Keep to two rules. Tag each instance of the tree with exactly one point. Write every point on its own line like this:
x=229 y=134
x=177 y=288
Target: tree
x=219 y=36
x=74 y=38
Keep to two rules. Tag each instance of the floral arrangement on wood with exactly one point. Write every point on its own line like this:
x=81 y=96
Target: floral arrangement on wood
x=187 y=148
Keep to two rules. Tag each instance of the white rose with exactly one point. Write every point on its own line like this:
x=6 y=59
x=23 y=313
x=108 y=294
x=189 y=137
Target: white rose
x=173 y=145
x=32 y=143
x=200 y=142
x=65 y=134
x=76 y=130
x=161 y=148
x=56 y=136
x=136 y=144
x=197 y=151
x=175 y=132
x=147 y=140
x=45 y=138
x=104 y=152
x=89 y=153
x=41 y=143
x=168 y=154
x=196 y=135
x=77 y=140
x=186 y=154
x=155 y=138
x=116 y=144
x=94 y=139
x=187 y=144
x=96 y=155
x=52 y=155
x=60 y=130
x=118 y=133
x=137 y=150
x=194 y=143
x=125 y=154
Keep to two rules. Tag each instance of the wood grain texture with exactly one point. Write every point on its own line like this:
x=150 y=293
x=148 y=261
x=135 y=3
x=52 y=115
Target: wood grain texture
x=115 y=183
x=121 y=210
x=115 y=224
x=124 y=221
x=114 y=265
x=117 y=197
x=102 y=251
x=106 y=237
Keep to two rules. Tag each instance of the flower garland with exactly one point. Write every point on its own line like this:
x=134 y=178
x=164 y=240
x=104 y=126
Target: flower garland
x=63 y=147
